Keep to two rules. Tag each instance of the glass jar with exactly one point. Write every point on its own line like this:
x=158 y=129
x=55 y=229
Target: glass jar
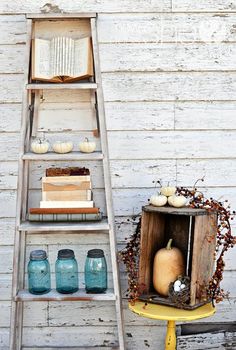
x=39 y=273
x=66 y=272
x=95 y=271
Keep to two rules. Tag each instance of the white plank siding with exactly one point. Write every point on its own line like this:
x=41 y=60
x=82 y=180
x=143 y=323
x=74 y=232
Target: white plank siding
x=169 y=79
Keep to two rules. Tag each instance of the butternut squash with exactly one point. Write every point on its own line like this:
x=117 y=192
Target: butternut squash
x=168 y=265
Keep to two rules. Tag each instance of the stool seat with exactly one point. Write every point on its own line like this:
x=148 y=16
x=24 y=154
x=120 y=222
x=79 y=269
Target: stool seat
x=167 y=313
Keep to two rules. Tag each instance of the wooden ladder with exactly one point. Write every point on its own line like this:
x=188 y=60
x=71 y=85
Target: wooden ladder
x=19 y=294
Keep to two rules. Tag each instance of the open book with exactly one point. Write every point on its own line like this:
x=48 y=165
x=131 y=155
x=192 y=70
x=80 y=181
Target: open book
x=61 y=59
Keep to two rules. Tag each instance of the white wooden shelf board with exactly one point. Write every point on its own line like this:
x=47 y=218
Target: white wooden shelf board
x=53 y=295
x=54 y=227
x=59 y=157
x=69 y=348
x=60 y=16
x=61 y=86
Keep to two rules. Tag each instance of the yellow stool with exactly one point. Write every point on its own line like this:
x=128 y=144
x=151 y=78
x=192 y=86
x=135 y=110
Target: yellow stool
x=171 y=314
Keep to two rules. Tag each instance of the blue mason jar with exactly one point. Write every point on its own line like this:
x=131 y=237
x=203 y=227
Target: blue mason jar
x=66 y=272
x=95 y=271
x=39 y=273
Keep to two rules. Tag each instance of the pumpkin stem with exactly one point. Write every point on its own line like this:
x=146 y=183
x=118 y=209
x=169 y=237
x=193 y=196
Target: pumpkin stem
x=86 y=139
x=168 y=247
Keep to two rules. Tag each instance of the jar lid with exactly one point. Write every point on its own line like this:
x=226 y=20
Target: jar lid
x=95 y=253
x=65 y=254
x=38 y=255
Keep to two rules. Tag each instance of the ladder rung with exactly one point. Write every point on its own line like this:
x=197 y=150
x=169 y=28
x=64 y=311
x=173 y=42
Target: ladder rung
x=61 y=86
x=71 y=348
x=60 y=16
x=59 y=157
x=54 y=227
x=53 y=295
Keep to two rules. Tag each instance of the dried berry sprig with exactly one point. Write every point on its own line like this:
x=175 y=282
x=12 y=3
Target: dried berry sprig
x=130 y=257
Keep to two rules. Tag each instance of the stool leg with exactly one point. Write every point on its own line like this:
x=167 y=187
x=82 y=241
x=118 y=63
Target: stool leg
x=170 y=336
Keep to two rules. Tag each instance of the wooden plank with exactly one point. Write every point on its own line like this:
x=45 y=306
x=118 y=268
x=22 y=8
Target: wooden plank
x=212 y=340
x=55 y=227
x=209 y=168
x=11 y=87
x=14 y=29
x=53 y=295
x=205 y=116
x=79 y=156
x=171 y=145
x=62 y=86
x=204 y=6
x=81 y=116
x=204 y=241
x=9 y=59
x=10 y=117
x=175 y=211
x=152 y=239
x=144 y=173
x=167 y=28
x=167 y=57
x=91 y=5
x=60 y=16
x=70 y=348
x=182 y=86
x=130 y=115
x=104 y=336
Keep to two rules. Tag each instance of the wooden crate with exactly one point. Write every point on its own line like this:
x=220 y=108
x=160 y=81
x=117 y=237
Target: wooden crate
x=193 y=232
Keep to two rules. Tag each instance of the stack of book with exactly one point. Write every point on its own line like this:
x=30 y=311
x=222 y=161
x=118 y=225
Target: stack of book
x=66 y=196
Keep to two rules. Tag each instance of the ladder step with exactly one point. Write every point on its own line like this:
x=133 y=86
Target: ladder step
x=54 y=227
x=66 y=156
x=62 y=86
x=60 y=16
x=53 y=295
x=71 y=348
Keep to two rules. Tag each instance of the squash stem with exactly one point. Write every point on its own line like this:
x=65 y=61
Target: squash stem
x=168 y=247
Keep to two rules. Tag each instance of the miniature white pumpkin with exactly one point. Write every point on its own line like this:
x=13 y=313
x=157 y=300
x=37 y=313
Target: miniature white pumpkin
x=62 y=146
x=39 y=146
x=86 y=146
x=168 y=191
x=158 y=200
x=177 y=201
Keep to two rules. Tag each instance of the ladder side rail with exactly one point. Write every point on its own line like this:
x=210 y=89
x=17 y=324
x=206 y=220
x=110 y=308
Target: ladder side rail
x=108 y=187
x=16 y=309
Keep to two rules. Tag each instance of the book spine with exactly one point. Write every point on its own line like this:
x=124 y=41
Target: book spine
x=64 y=217
x=64 y=210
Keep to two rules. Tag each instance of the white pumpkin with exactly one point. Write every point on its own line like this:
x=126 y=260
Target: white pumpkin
x=86 y=146
x=158 y=200
x=39 y=146
x=62 y=146
x=168 y=191
x=177 y=201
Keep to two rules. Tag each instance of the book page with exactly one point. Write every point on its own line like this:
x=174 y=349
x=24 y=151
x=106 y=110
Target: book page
x=41 y=61
x=82 y=57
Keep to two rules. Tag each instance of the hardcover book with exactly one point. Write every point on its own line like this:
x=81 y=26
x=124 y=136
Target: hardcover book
x=61 y=59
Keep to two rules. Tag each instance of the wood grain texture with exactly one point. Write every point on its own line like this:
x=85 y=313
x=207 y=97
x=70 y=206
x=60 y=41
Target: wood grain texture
x=211 y=340
x=167 y=28
x=204 y=241
x=204 y=6
x=205 y=115
x=171 y=145
x=167 y=57
x=169 y=86
x=139 y=115
x=10 y=117
x=89 y=6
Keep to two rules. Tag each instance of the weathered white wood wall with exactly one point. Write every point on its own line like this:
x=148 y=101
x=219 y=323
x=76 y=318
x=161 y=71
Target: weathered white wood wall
x=169 y=75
